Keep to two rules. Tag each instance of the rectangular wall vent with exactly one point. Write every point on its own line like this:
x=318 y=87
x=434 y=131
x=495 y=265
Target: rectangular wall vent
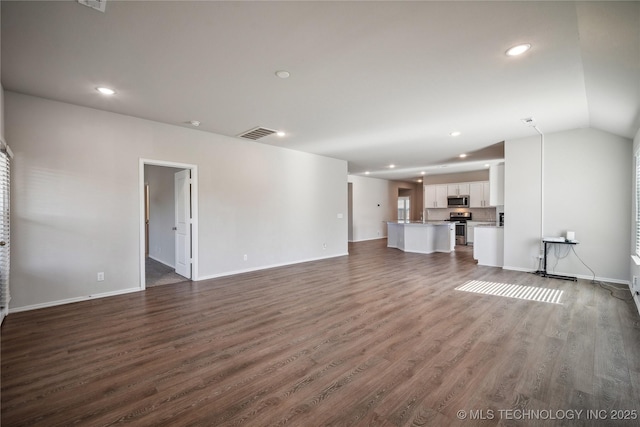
x=100 y=5
x=257 y=133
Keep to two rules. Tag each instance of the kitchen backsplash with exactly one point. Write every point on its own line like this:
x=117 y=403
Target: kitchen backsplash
x=478 y=214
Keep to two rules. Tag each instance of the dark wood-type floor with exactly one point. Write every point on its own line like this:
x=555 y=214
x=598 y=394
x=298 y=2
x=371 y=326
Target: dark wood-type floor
x=376 y=338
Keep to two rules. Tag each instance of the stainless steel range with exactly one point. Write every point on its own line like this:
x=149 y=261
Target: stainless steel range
x=461 y=219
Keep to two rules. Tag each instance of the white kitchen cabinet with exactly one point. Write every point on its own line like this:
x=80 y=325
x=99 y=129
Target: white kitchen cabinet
x=470 y=229
x=479 y=194
x=496 y=179
x=460 y=189
x=435 y=196
x=488 y=247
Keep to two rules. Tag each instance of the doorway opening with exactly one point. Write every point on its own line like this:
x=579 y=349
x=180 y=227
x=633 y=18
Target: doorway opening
x=168 y=222
x=350 y=211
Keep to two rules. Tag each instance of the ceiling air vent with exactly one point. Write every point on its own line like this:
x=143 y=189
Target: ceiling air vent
x=257 y=133
x=529 y=121
x=100 y=5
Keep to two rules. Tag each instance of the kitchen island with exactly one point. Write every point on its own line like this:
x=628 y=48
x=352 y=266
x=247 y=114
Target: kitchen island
x=421 y=237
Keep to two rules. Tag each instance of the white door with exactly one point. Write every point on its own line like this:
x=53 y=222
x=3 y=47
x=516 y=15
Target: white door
x=183 y=222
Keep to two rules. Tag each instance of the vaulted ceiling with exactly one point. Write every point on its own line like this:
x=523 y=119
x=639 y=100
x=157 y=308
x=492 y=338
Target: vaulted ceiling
x=373 y=83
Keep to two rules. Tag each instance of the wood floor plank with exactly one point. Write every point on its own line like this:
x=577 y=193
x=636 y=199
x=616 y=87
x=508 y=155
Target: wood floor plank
x=376 y=338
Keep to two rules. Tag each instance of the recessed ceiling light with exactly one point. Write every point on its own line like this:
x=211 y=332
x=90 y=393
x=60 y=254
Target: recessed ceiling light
x=422 y=173
x=194 y=123
x=105 y=91
x=367 y=173
x=419 y=180
x=462 y=156
x=486 y=165
x=518 y=50
x=455 y=133
x=283 y=74
x=392 y=166
x=280 y=133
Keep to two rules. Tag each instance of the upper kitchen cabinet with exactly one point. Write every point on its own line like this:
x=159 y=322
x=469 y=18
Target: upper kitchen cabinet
x=479 y=194
x=496 y=179
x=458 y=189
x=435 y=196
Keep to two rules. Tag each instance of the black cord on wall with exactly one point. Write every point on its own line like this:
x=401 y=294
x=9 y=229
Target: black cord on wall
x=603 y=285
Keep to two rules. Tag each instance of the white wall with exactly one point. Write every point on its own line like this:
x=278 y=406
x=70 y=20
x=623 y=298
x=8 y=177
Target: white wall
x=522 y=204
x=586 y=190
x=374 y=202
x=76 y=202
x=161 y=181
x=635 y=269
x=1 y=91
x=2 y=113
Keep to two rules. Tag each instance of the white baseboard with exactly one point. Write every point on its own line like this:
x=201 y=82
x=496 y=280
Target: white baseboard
x=524 y=270
x=264 y=267
x=579 y=276
x=368 y=239
x=72 y=300
x=162 y=262
x=138 y=289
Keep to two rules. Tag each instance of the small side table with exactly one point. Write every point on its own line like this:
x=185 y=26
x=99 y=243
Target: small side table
x=560 y=241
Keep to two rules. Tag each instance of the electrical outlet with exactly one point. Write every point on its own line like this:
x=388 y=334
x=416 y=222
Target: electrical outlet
x=245 y=257
x=324 y=246
x=100 y=277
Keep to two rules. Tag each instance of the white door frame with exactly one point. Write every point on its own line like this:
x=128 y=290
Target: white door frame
x=194 y=214
x=182 y=222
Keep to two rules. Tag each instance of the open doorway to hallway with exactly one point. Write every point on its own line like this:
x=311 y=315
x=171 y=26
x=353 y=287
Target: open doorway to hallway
x=168 y=223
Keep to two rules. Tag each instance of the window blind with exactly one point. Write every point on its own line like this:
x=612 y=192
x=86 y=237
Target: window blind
x=5 y=184
x=637 y=203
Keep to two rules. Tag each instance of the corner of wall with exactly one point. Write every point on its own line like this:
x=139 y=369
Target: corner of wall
x=2 y=112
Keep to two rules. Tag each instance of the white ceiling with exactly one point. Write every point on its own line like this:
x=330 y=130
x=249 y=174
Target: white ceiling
x=373 y=83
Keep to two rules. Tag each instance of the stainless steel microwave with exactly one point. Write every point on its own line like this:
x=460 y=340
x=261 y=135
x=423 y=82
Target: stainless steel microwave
x=458 y=201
